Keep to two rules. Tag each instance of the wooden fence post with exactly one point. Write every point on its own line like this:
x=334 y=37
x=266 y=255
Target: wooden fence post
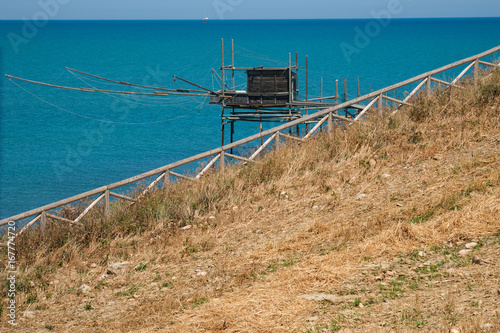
x=476 y=71
x=166 y=180
x=277 y=141
x=380 y=103
x=428 y=86
x=329 y=124
x=106 y=204
x=43 y=223
x=222 y=161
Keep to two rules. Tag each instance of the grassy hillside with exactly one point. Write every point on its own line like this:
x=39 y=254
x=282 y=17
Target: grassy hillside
x=369 y=219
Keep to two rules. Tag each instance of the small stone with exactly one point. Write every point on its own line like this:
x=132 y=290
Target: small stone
x=187 y=227
x=211 y=218
x=385 y=267
x=29 y=314
x=365 y=224
x=399 y=205
x=390 y=273
x=118 y=267
x=386 y=175
x=85 y=289
x=136 y=296
x=448 y=265
x=32 y=284
x=311 y=319
x=470 y=245
x=315 y=207
x=463 y=253
x=361 y=305
x=283 y=193
x=421 y=254
x=378 y=278
x=454 y=330
x=361 y=196
x=372 y=162
x=201 y=273
x=93 y=265
x=235 y=208
x=102 y=277
x=111 y=303
x=476 y=260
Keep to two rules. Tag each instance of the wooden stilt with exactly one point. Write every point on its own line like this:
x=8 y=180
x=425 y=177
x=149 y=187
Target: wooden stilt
x=336 y=90
x=357 y=79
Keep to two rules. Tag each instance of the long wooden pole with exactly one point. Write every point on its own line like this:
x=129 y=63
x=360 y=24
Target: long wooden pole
x=321 y=90
x=223 y=94
x=336 y=90
x=307 y=78
x=232 y=55
x=357 y=79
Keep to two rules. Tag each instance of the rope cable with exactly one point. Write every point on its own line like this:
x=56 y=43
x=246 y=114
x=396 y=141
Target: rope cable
x=96 y=119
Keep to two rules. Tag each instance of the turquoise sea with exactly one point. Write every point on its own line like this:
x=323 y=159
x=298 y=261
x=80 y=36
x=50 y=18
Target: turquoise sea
x=58 y=143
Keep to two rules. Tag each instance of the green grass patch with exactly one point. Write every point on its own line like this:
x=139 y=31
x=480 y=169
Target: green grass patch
x=130 y=292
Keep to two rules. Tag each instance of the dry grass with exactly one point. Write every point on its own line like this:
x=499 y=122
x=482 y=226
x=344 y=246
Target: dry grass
x=424 y=177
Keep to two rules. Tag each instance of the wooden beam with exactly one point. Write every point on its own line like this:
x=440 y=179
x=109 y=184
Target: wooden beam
x=208 y=166
x=178 y=175
x=264 y=145
x=316 y=127
x=153 y=183
x=488 y=63
x=446 y=83
x=462 y=73
x=414 y=91
x=62 y=219
x=95 y=202
x=123 y=197
x=243 y=159
x=28 y=225
x=292 y=137
x=396 y=100
x=366 y=108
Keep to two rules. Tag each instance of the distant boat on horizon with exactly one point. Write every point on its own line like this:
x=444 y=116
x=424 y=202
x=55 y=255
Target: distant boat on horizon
x=205 y=20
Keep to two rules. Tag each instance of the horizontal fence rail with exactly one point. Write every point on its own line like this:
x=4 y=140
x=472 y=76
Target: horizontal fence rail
x=219 y=155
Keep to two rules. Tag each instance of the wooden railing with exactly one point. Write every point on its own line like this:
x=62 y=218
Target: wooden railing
x=275 y=134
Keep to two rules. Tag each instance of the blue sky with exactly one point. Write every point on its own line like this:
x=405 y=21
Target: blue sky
x=243 y=9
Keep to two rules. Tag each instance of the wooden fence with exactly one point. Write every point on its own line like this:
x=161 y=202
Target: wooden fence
x=104 y=193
